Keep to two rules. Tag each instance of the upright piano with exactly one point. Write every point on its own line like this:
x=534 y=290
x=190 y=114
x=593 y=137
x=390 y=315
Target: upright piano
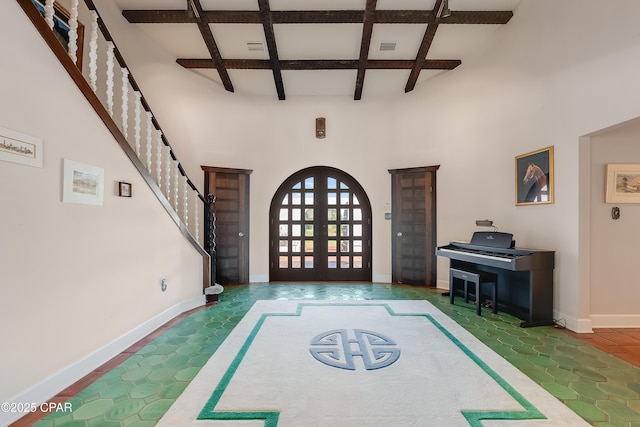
x=525 y=276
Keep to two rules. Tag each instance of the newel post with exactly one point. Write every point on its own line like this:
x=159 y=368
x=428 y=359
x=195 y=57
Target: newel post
x=210 y=245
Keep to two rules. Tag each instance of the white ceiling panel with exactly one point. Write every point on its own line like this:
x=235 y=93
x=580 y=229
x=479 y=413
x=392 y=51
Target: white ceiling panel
x=180 y=40
x=318 y=41
x=253 y=82
x=319 y=82
x=458 y=41
x=232 y=40
x=384 y=83
x=406 y=37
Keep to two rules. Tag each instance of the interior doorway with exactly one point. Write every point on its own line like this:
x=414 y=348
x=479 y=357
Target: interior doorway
x=320 y=228
x=230 y=254
x=413 y=194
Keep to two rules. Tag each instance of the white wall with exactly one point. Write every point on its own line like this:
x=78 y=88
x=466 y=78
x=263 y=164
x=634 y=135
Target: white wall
x=547 y=78
x=78 y=283
x=615 y=298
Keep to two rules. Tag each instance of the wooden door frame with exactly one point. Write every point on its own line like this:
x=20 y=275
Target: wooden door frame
x=431 y=226
x=243 y=213
x=365 y=204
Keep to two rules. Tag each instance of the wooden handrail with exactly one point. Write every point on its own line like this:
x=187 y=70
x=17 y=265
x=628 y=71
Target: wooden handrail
x=76 y=75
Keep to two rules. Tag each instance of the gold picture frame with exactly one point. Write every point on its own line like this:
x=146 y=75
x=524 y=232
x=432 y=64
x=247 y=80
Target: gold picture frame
x=623 y=183
x=534 y=177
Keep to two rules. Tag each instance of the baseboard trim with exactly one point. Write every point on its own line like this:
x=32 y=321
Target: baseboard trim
x=49 y=387
x=615 y=320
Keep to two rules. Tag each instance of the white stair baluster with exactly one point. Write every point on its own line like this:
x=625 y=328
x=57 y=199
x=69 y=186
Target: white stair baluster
x=185 y=201
x=125 y=103
x=159 y=159
x=137 y=122
x=49 y=11
x=72 y=47
x=149 y=139
x=196 y=216
x=93 y=52
x=110 y=48
x=176 y=188
x=169 y=159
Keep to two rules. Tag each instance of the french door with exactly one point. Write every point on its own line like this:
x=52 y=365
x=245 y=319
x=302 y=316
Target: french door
x=320 y=228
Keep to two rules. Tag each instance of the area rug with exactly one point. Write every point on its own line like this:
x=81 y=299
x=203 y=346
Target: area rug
x=359 y=364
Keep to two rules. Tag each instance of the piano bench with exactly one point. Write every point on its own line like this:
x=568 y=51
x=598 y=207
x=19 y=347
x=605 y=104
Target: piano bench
x=478 y=278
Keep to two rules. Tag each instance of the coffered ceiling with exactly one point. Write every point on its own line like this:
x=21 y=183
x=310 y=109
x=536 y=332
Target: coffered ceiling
x=284 y=48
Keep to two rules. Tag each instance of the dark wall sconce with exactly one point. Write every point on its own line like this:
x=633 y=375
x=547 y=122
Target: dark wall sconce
x=321 y=130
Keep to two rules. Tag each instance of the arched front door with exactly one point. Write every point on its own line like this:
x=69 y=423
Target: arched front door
x=320 y=228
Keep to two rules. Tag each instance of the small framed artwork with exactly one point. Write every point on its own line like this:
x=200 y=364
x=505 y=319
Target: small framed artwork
x=534 y=177
x=124 y=189
x=19 y=148
x=623 y=183
x=82 y=183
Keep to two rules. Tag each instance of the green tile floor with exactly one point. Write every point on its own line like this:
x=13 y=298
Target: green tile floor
x=601 y=388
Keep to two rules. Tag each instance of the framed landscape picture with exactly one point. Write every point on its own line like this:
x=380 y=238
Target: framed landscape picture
x=82 y=183
x=623 y=183
x=534 y=177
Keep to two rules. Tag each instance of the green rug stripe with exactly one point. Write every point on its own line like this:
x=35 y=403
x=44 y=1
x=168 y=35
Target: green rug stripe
x=270 y=418
x=474 y=418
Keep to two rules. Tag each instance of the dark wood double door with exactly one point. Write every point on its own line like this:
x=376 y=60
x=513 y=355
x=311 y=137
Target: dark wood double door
x=320 y=228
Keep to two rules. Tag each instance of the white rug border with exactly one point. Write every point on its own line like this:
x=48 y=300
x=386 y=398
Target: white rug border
x=185 y=410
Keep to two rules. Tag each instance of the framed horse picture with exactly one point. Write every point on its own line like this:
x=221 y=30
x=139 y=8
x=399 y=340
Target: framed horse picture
x=534 y=177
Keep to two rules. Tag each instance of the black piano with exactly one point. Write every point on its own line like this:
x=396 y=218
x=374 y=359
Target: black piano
x=525 y=276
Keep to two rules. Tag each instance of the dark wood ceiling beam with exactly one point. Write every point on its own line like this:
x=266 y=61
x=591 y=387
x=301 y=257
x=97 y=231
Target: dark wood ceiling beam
x=430 y=64
x=318 y=16
x=497 y=17
x=157 y=17
x=425 y=45
x=320 y=64
x=365 y=43
x=315 y=17
x=404 y=16
x=270 y=37
x=212 y=47
x=429 y=16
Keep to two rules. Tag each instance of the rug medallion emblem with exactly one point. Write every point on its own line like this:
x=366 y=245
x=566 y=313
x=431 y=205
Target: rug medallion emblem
x=337 y=349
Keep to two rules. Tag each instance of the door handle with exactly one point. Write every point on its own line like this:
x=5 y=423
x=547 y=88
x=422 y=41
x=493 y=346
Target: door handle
x=241 y=234
x=399 y=234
